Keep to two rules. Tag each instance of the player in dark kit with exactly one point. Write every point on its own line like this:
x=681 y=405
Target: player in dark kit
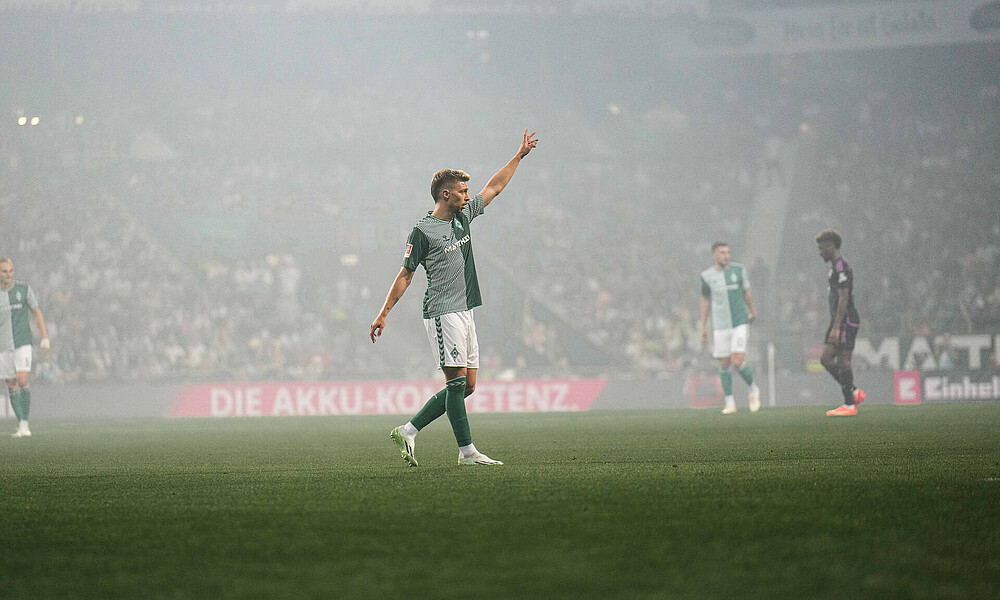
x=844 y=323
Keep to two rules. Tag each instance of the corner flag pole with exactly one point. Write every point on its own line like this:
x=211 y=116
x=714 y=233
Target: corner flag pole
x=770 y=374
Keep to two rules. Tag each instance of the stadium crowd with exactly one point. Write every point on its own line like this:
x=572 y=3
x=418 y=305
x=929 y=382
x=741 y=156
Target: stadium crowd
x=216 y=234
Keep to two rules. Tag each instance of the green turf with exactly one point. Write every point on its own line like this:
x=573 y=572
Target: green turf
x=900 y=502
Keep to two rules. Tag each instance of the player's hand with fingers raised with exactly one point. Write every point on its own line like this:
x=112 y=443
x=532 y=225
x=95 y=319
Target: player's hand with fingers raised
x=527 y=144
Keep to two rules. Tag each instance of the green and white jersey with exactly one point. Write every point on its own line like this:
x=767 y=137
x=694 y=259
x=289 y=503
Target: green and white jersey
x=725 y=289
x=16 y=305
x=444 y=248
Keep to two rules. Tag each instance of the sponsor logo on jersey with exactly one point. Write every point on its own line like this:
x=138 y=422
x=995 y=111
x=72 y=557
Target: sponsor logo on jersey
x=458 y=244
x=409 y=248
x=842 y=278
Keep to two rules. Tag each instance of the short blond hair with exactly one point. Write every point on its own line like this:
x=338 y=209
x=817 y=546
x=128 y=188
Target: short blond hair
x=446 y=178
x=4 y=259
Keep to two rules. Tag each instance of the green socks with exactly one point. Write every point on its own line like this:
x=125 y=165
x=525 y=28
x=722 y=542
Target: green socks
x=450 y=400
x=727 y=379
x=433 y=409
x=20 y=401
x=15 y=402
x=455 y=407
x=727 y=382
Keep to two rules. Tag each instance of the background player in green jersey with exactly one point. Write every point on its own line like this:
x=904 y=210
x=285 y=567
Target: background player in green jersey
x=18 y=299
x=442 y=243
x=725 y=289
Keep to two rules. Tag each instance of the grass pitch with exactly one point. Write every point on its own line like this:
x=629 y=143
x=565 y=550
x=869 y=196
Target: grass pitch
x=899 y=502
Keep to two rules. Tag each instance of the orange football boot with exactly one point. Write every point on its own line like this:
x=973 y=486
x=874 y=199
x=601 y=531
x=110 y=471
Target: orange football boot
x=859 y=396
x=842 y=411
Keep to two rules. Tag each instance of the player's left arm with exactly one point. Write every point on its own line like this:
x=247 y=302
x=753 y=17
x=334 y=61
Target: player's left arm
x=501 y=178
x=845 y=278
x=752 y=310
x=842 y=296
x=44 y=344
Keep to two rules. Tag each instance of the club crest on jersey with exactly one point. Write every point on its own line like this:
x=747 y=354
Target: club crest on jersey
x=409 y=248
x=458 y=224
x=17 y=295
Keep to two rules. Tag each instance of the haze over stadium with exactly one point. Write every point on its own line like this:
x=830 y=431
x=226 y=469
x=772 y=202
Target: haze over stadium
x=235 y=179
x=209 y=198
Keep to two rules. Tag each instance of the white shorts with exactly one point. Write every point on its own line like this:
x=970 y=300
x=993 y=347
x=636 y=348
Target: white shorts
x=7 y=370
x=22 y=359
x=730 y=341
x=453 y=339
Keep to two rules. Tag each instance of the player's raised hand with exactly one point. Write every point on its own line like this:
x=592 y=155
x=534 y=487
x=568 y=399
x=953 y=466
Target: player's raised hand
x=377 y=326
x=527 y=144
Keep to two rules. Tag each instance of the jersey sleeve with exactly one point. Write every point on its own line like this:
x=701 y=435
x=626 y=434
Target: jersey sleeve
x=706 y=291
x=746 y=278
x=32 y=299
x=416 y=249
x=843 y=275
x=475 y=207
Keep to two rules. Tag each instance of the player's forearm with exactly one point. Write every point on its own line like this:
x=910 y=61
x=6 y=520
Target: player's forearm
x=704 y=314
x=41 y=324
x=841 y=308
x=396 y=292
x=500 y=179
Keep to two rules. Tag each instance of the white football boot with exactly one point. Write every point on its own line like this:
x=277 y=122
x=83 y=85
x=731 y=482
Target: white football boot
x=22 y=430
x=477 y=458
x=754 y=398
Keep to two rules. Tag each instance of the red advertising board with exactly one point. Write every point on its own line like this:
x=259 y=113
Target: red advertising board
x=253 y=399
x=906 y=385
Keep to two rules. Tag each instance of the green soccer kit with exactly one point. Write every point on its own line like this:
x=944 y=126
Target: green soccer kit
x=444 y=248
x=725 y=289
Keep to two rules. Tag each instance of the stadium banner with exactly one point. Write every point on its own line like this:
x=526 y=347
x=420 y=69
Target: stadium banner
x=914 y=387
x=848 y=26
x=252 y=399
x=974 y=352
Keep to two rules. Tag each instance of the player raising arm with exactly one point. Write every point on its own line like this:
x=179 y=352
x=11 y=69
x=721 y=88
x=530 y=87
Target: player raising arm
x=442 y=243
